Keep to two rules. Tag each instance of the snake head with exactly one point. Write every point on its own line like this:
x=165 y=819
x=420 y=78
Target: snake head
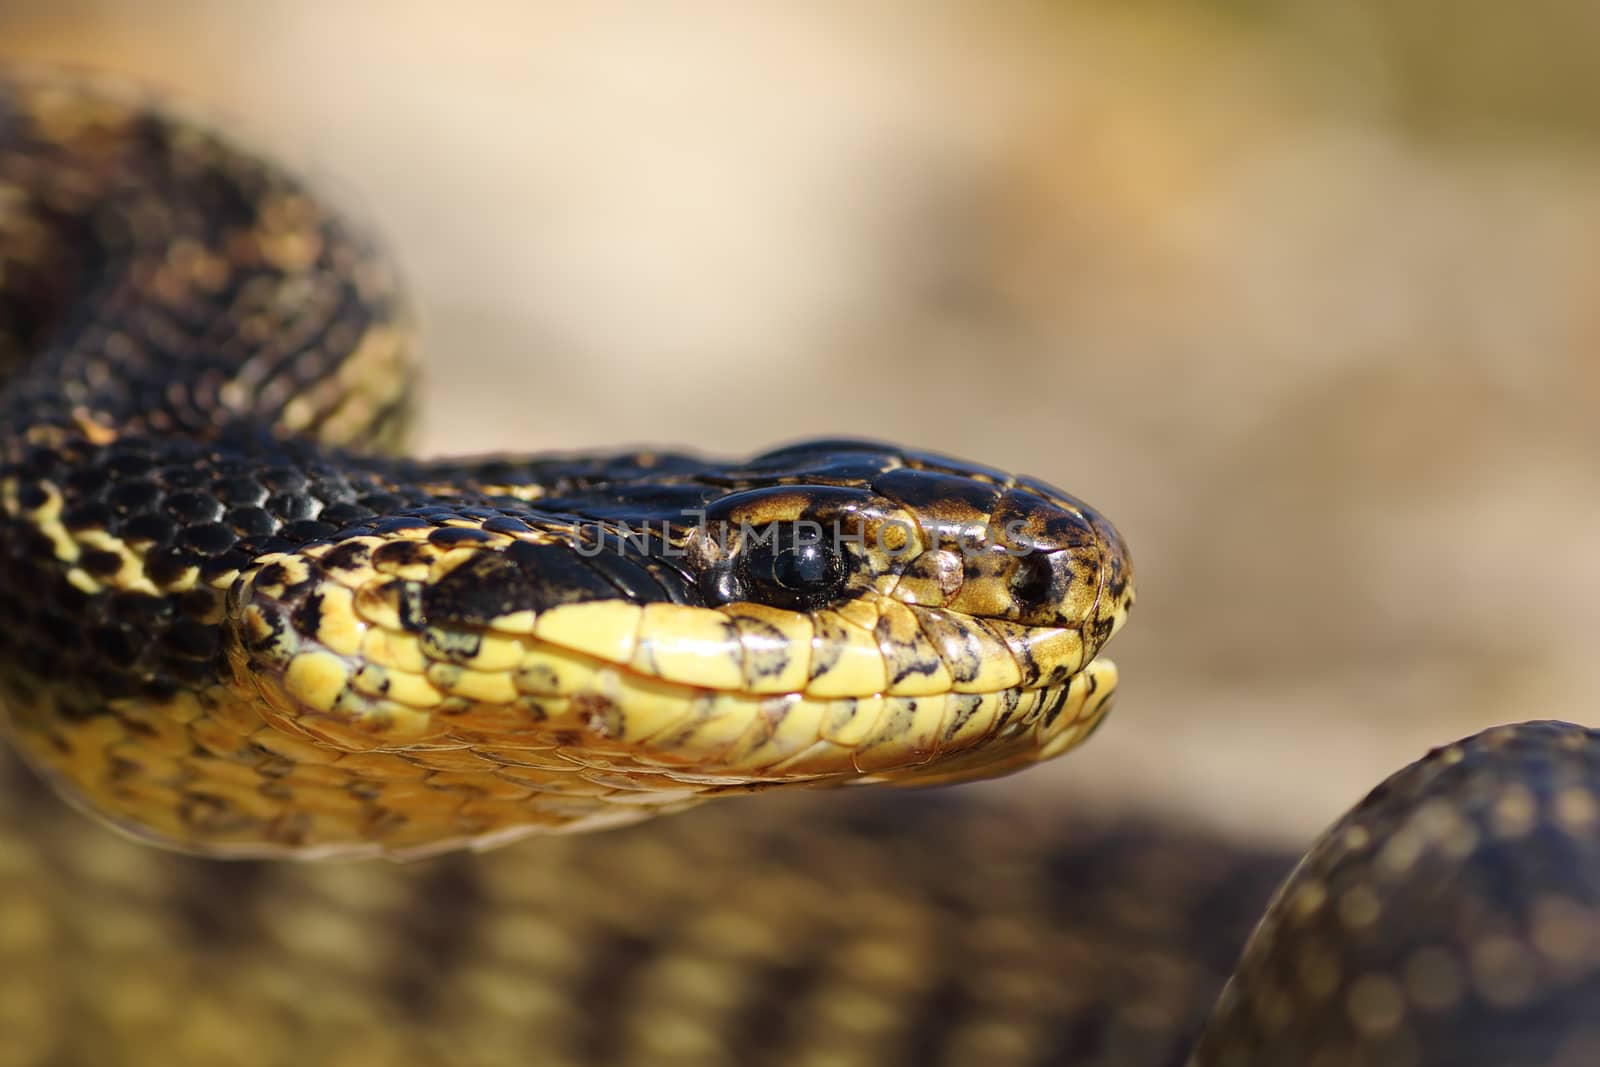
x=663 y=628
x=970 y=603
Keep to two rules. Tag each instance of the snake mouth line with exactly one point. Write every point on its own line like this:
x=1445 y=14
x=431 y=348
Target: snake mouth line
x=352 y=658
x=577 y=708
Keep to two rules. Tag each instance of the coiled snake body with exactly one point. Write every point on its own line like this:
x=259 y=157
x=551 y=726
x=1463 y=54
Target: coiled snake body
x=236 y=628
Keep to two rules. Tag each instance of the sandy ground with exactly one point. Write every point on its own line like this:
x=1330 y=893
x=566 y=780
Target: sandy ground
x=1304 y=303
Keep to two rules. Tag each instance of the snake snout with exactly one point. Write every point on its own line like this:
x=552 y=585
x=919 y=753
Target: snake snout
x=1072 y=567
x=1025 y=554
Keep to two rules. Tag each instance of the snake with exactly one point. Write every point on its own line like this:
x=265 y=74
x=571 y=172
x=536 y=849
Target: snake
x=244 y=627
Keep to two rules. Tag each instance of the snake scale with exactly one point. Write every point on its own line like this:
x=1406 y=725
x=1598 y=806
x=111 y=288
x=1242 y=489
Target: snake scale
x=239 y=625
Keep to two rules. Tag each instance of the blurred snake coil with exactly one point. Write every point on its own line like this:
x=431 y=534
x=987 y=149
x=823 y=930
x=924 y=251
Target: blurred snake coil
x=239 y=625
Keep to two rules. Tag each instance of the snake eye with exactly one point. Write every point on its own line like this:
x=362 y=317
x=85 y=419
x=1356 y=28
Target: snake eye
x=788 y=570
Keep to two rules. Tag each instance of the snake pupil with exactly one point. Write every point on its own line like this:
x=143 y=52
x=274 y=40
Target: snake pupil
x=801 y=567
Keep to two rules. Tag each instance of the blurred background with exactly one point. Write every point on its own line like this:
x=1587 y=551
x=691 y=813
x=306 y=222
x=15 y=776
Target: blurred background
x=1301 y=294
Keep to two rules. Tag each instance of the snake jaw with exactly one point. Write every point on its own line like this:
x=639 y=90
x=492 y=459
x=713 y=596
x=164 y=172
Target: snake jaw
x=637 y=706
x=1073 y=712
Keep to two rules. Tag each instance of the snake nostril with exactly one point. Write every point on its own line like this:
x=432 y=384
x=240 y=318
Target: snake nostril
x=1033 y=581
